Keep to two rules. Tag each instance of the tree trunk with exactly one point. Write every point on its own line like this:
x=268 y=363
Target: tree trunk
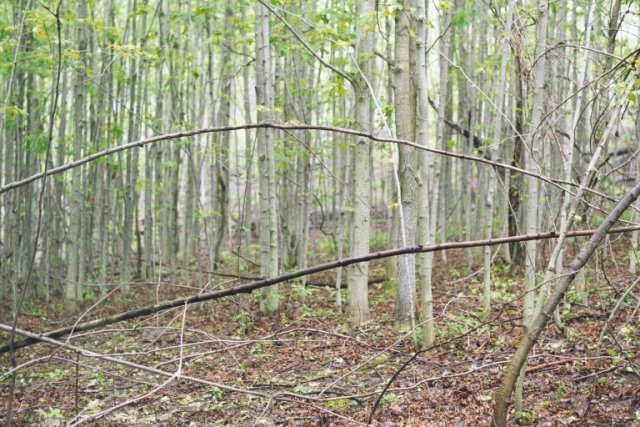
x=266 y=161
x=422 y=128
x=497 y=142
x=532 y=159
x=73 y=291
x=405 y=112
x=357 y=274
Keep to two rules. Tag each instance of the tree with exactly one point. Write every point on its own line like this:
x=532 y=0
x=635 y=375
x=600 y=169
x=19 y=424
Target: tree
x=424 y=260
x=358 y=274
x=532 y=162
x=76 y=258
x=497 y=135
x=266 y=160
x=405 y=112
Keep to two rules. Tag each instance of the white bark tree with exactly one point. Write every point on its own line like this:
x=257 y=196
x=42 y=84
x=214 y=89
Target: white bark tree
x=405 y=112
x=357 y=274
x=266 y=160
x=532 y=159
x=495 y=148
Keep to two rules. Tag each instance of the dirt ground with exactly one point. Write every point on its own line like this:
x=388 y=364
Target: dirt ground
x=305 y=367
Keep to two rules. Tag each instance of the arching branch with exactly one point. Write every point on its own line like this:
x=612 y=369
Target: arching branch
x=285 y=126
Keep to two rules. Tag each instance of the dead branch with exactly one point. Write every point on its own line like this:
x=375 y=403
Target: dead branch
x=250 y=287
x=540 y=322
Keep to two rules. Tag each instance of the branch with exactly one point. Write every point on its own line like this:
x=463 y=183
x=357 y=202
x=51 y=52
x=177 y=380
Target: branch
x=305 y=44
x=477 y=141
x=285 y=126
x=89 y=353
x=259 y=284
x=540 y=322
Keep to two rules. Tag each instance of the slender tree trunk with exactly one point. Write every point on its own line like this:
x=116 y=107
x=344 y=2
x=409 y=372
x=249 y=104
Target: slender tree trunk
x=532 y=157
x=516 y=184
x=633 y=256
x=266 y=161
x=222 y=177
x=247 y=208
x=73 y=291
x=556 y=259
x=436 y=164
x=497 y=142
x=357 y=274
x=422 y=128
x=394 y=212
x=405 y=112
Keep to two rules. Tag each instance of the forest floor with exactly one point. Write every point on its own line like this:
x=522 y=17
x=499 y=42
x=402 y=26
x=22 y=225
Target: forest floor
x=306 y=350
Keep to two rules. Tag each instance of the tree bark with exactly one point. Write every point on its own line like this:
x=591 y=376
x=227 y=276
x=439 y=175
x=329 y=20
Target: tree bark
x=532 y=159
x=497 y=136
x=266 y=161
x=422 y=129
x=357 y=274
x=73 y=291
x=405 y=112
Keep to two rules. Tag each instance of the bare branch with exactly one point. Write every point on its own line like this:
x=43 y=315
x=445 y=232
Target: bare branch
x=250 y=287
x=285 y=126
x=540 y=322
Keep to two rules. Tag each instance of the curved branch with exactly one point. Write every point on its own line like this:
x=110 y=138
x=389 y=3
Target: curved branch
x=282 y=126
x=305 y=44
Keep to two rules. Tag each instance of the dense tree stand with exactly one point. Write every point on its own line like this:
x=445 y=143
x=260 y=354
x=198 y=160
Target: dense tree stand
x=318 y=213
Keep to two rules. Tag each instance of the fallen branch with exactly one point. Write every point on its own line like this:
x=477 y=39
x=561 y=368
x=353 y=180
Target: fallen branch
x=108 y=358
x=540 y=322
x=323 y=285
x=250 y=287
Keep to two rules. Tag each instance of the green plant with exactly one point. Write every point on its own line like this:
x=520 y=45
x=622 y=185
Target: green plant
x=245 y=322
x=259 y=352
x=573 y=297
x=215 y=393
x=390 y=398
x=501 y=290
x=301 y=388
x=90 y=295
x=377 y=362
x=339 y=403
x=127 y=299
x=50 y=413
x=97 y=379
x=460 y=325
x=502 y=267
x=561 y=392
x=55 y=375
x=301 y=292
x=32 y=309
x=378 y=241
x=525 y=418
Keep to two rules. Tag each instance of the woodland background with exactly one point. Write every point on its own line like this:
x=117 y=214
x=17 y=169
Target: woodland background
x=161 y=159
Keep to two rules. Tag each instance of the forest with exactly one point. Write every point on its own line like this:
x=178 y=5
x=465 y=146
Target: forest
x=331 y=213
